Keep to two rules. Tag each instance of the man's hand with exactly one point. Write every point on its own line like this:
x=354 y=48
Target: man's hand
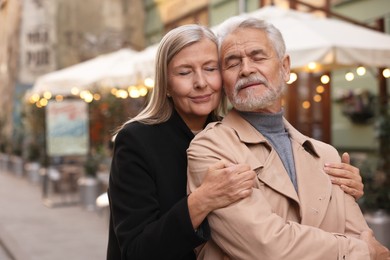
x=377 y=250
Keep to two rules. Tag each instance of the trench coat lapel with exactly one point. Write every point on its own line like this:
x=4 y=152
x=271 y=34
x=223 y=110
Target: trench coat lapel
x=271 y=171
x=314 y=186
x=274 y=174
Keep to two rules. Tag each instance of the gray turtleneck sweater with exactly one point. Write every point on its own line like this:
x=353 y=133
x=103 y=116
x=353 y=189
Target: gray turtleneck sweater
x=272 y=128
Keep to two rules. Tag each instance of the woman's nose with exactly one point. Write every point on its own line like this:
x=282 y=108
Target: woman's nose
x=200 y=81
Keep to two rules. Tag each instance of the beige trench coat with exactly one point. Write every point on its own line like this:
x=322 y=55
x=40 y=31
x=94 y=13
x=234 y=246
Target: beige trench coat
x=320 y=222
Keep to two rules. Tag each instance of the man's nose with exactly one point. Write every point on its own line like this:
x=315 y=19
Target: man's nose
x=247 y=67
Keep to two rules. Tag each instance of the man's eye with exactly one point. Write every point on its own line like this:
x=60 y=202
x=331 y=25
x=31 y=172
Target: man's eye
x=259 y=58
x=232 y=64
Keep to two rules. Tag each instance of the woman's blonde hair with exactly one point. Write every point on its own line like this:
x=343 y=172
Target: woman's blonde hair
x=160 y=107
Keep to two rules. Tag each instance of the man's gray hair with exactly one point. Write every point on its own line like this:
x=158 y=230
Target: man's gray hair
x=233 y=23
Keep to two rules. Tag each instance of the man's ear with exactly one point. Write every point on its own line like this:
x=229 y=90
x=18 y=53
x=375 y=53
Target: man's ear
x=286 y=68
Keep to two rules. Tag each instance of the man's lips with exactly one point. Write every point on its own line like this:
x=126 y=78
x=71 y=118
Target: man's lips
x=252 y=84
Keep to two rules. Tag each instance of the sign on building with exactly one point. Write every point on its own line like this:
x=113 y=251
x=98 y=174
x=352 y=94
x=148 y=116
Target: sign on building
x=37 y=40
x=67 y=128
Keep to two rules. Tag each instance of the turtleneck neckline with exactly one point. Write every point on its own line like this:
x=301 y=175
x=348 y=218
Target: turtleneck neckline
x=265 y=122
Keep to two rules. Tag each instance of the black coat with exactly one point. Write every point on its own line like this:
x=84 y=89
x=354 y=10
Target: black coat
x=147 y=193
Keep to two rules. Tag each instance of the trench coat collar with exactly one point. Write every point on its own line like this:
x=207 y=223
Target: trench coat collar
x=248 y=134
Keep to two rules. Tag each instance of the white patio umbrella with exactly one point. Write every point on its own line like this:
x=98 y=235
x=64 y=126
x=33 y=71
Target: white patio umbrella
x=329 y=42
x=83 y=75
x=131 y=71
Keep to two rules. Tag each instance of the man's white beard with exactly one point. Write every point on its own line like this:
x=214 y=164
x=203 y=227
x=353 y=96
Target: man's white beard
x=250 y=101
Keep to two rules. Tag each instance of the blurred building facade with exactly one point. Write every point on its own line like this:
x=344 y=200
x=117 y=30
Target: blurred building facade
x=10 y=14
x=41 y=36
x=322 y=120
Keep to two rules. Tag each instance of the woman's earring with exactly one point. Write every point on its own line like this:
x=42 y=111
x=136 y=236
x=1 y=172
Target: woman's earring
x=168 y=95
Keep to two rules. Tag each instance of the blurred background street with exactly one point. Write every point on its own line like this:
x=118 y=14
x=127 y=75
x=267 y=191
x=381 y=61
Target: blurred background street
x=31 y=231
x=71 y=72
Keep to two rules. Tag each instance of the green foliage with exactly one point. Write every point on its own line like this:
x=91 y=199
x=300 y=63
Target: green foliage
x=94 y=160
x=376 y=191
x=377 y=179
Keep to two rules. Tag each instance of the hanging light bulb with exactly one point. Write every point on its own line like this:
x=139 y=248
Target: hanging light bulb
x=59 y=98
x=43 y=102
x=47 y=94
x=97 y=96
x=149 y=82
x=386 y=73
x=75 y=91
x=349 y=76
x=312 y=66
x=361 y=70
x=325 y=79
x=34 y=98
x=293 y=77
x=317 y=98
x=320 y=89
x=306 y=104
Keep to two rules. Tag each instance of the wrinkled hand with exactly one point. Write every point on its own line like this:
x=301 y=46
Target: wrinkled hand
x=346 y=176
x=226 y=183
x=377 y=250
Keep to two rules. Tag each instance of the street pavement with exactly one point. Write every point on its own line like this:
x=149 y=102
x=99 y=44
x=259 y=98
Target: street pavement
x=29 y=230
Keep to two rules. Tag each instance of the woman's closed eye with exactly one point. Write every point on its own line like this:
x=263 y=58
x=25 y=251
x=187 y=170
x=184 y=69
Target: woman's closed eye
x=211 y=69
x=184 y=72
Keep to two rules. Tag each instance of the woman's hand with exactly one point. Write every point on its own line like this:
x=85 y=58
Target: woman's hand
x=224 y=184
x=346 y=175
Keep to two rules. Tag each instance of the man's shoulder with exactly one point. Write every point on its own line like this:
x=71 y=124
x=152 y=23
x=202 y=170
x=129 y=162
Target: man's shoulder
x=213 y=129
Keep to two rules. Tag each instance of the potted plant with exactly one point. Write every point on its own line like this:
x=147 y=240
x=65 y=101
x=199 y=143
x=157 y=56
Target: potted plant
x=358 y=105
x=89 y=185
x=33 y=164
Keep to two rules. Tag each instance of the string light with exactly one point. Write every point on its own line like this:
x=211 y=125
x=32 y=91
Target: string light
x=317 y=98
x=34 y=98
x=320 y=89
x=143 y=91
x=97 y=96
x=149 y=82
x=75 y=91
x=59 y=98
x=361 y=70
x=133 y=92
x=312 y=66
x=386 y=73
x=306 y=104
x=43 y=102
x=121 y=93
x=349 y=76
x=293 y=78
x=47 y=95
x=325 y=79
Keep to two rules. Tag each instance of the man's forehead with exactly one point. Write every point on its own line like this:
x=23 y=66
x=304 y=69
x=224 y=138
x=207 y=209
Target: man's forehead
x=244 y=36
x=239 y=45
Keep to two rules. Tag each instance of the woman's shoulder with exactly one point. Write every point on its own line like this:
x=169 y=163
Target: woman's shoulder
x=137 y=128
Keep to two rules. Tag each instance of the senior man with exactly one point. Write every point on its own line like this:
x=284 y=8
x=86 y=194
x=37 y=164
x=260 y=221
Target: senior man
x=294 y=212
